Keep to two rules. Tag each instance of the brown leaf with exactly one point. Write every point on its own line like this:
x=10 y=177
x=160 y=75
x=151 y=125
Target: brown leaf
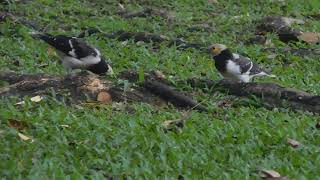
x=104 y=97
x=20 y=125
x=293 y=143
x=177 y=123
x=51 y=51
x=225 y=103
x=310 y=37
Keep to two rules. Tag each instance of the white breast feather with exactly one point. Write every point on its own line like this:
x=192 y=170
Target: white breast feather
x=233 y=68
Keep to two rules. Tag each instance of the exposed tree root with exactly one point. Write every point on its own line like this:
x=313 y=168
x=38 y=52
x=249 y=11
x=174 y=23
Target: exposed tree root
x=282 y=26
x=295 y=51
x=143 y=36
x=272 y=93
x=84 y=86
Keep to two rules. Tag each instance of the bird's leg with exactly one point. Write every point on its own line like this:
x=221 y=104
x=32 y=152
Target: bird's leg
x=68 y=70
x=71 y=72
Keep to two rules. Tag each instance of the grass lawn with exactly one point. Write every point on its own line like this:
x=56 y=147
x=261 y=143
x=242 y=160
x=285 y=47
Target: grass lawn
x=80 y=141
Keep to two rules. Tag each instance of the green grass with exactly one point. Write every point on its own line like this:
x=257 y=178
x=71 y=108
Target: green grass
x=104 y=141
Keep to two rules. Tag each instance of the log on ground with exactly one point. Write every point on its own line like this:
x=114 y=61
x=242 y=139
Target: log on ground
x=85 y=86
x=272 y=93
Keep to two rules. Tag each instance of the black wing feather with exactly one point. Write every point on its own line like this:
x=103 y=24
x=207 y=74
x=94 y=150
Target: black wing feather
x=77 y=48
x=82 y=49
x=245 y=65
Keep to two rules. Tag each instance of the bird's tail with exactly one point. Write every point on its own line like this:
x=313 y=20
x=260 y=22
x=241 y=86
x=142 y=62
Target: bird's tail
x=262 y=73
x=269 y=75
x=43 y=36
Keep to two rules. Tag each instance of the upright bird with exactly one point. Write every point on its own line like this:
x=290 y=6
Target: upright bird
x=234 y=66
x=76 y=54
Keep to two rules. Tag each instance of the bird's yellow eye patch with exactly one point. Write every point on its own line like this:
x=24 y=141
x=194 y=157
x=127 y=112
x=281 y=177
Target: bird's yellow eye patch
x=215 y=50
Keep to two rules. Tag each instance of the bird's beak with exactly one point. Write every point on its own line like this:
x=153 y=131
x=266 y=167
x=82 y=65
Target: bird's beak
x=209 y=50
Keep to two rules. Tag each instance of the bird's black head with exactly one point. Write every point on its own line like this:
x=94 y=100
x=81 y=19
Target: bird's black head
x=101 y=68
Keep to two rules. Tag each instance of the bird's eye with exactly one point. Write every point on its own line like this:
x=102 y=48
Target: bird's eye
x=213 y=48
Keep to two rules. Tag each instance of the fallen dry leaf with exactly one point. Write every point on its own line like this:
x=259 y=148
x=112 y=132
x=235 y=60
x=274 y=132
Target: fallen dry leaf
x=164 y=37
x=51 y=51
x=177 y=123
x=140 y=43
x=124 y=43
x=33 y=99
x=169 y=123
x=20 y=125
x=293 y=143
x=289 y=21
x=121 y=7
x=104 y=97
x=36 y=99
x=24 y=137
x=270 y=174
x=310 y=37
x=65 y=125
x=20 y=103
x=225 y=103
x=159 y=74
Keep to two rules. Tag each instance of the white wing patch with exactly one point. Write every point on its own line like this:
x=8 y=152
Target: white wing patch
x=233 y=70
x=236 y=56
x=90 y=60
x=74 y=63
x=72 y=52
x=98 y=52
x=83 y=63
